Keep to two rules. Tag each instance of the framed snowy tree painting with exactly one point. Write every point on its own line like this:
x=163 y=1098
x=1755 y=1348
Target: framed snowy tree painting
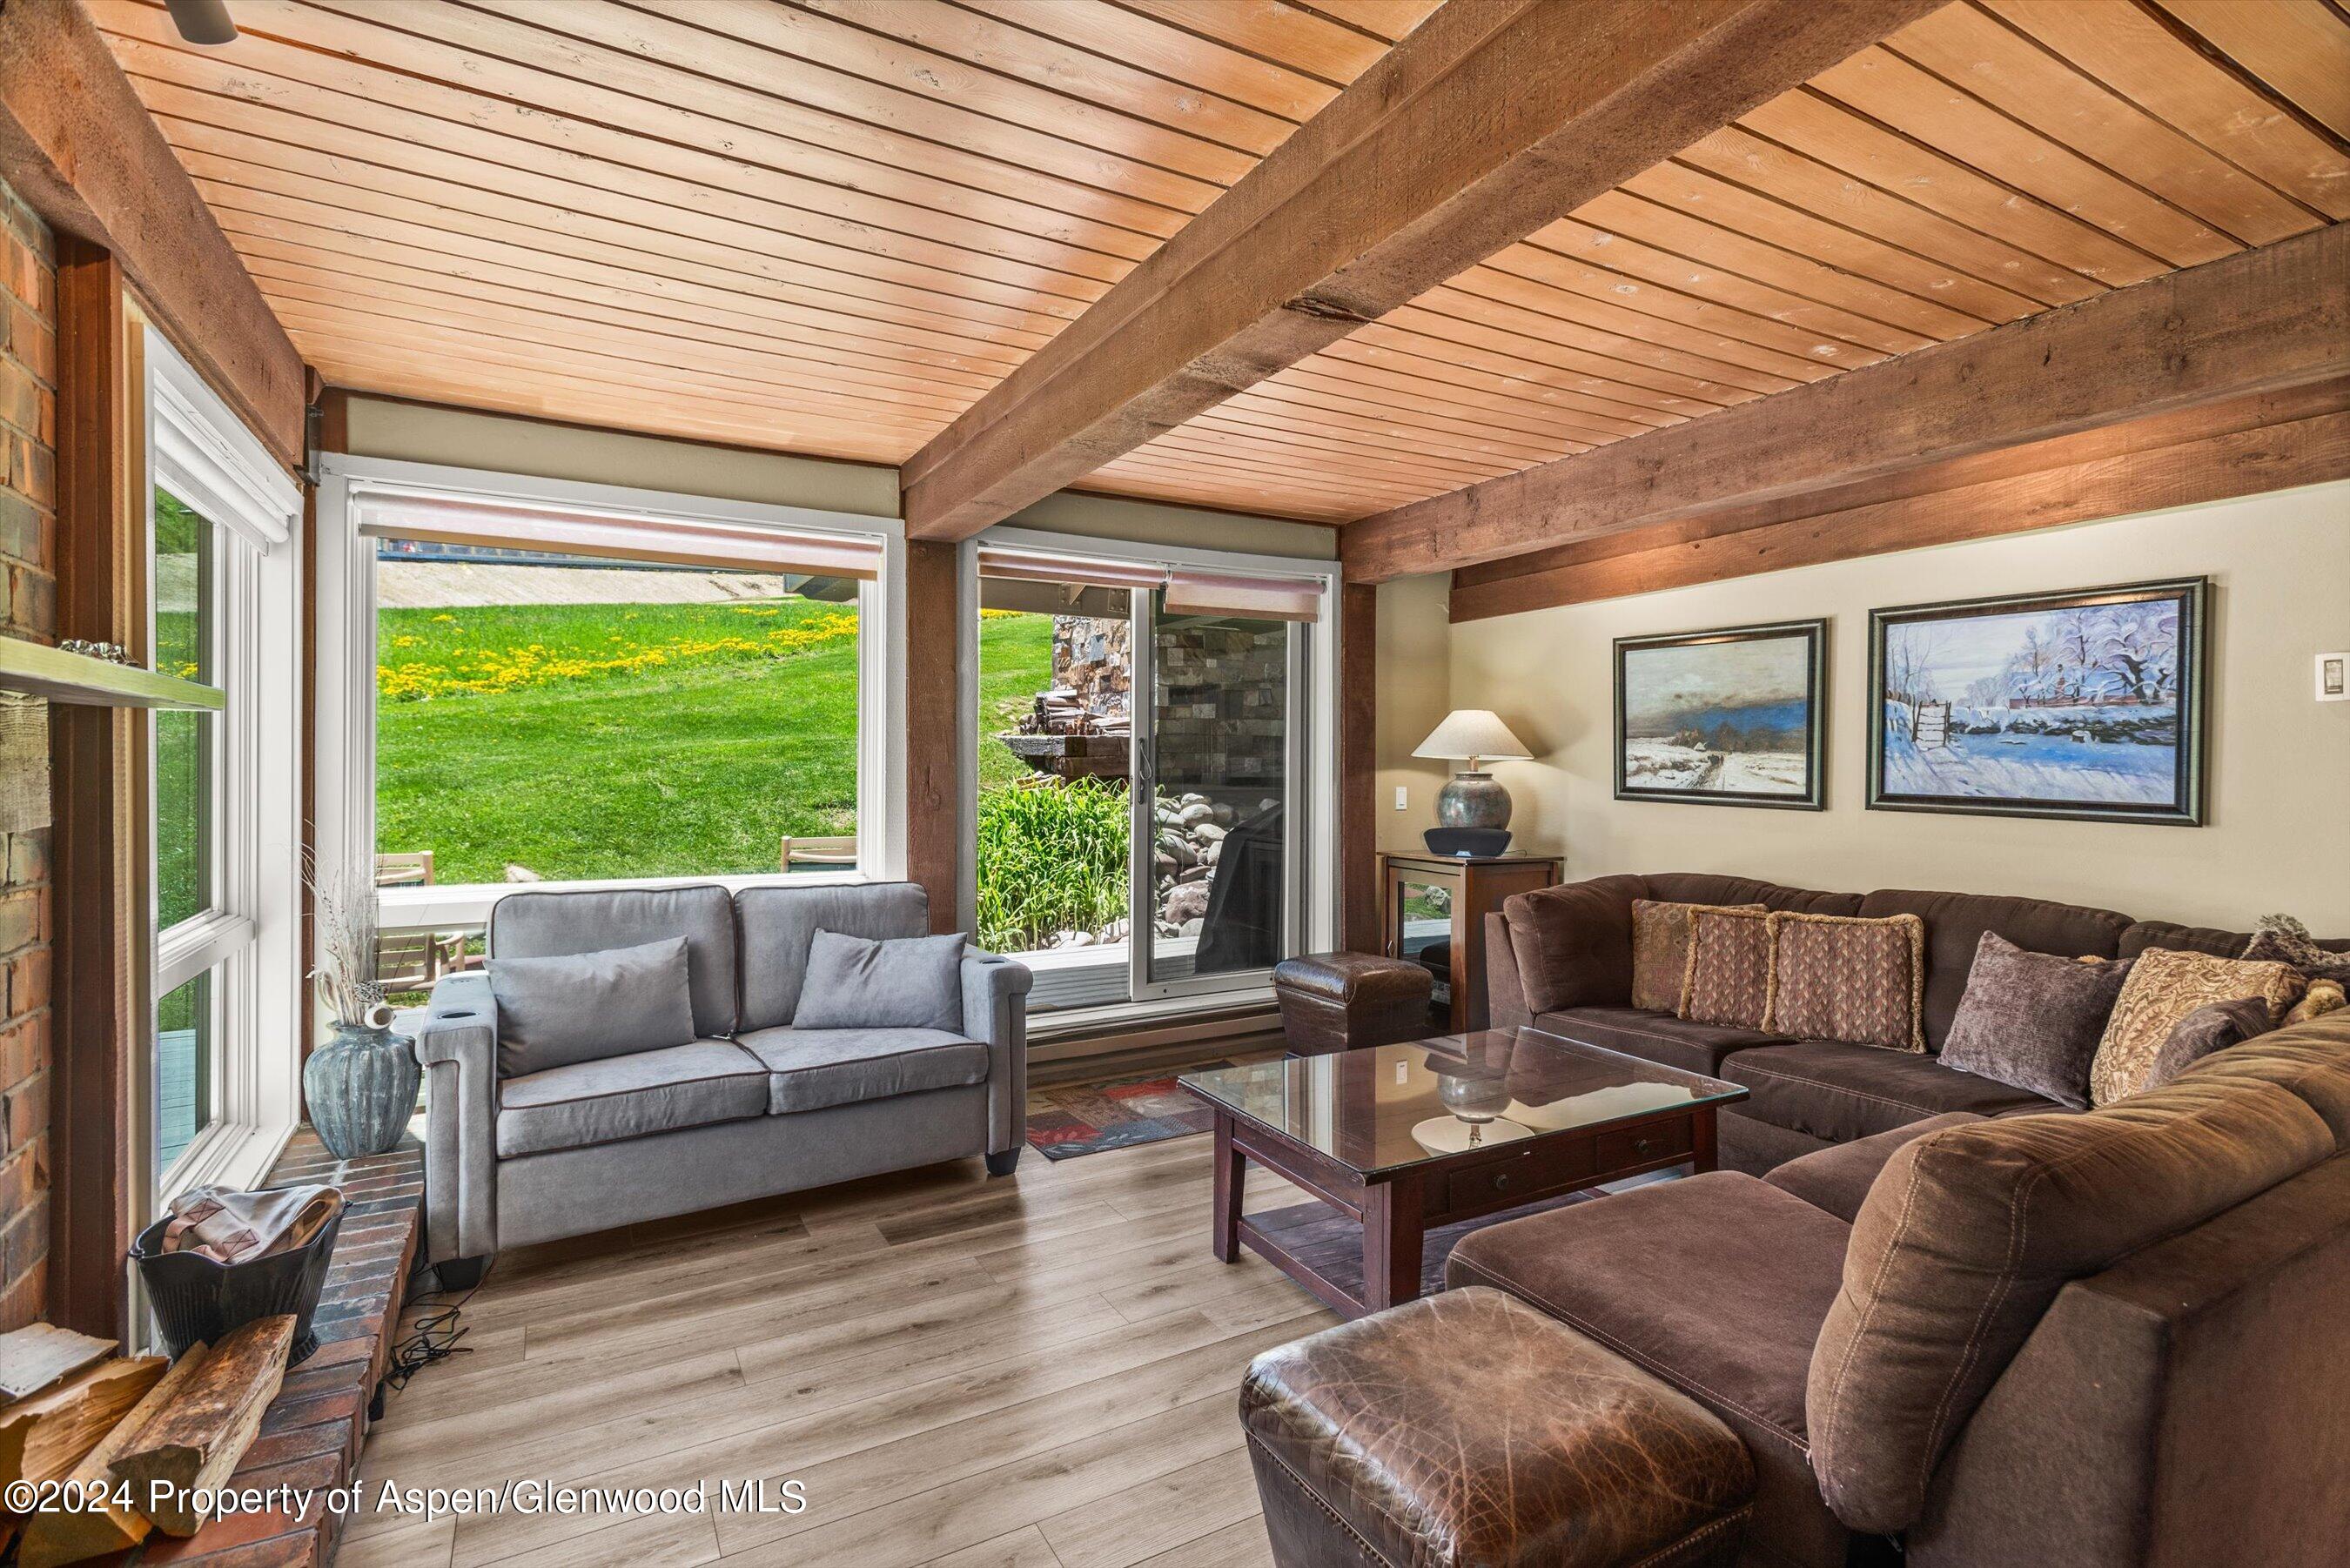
x=2088 y=704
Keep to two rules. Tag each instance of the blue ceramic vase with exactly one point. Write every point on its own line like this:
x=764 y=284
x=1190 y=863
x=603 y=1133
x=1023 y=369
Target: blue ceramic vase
x=362 y=1088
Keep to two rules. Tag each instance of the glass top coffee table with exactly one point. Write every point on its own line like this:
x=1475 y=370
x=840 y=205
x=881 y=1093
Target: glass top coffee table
x=1407 y=1147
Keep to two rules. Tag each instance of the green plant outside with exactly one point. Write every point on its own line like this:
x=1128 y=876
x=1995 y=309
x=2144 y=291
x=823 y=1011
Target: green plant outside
x=1051 y=858
x=614 y=741
x=183 y=740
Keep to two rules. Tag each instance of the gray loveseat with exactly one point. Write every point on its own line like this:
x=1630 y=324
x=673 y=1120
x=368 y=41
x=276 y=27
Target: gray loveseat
x=753 y=1108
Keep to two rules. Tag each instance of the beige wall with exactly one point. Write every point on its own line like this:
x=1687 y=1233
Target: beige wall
x=1414 y=695
x=505 y=443
x=1148 y=522
x=502 y=443
x=2279 y=794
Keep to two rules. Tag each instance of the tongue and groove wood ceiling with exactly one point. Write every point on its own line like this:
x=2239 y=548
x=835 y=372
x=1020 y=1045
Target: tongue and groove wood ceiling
x=826 y=226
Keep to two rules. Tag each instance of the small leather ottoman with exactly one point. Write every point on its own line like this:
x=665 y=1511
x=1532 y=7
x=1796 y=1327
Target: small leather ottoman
x=1467 y=1430
x=1343 y=1001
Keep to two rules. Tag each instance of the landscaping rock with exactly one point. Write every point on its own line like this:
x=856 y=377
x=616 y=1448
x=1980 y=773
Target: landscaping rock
x=1189 y=901
x=1193 y=814
x=1207 y=833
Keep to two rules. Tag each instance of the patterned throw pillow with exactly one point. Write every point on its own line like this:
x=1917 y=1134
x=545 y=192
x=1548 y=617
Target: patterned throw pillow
x=1661 y=943
x=1729 y=968
x=1843 y=977
x=2164 y=986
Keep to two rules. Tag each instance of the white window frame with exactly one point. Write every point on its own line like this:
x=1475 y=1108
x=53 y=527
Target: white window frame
x=1313 y=751
x=249 y=937
x=346 y=778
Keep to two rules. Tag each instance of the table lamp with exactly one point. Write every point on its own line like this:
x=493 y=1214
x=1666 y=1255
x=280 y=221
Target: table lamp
x=1472 y=811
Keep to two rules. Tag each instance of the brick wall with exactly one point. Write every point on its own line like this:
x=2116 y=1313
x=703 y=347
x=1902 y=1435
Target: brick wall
x=28 y=416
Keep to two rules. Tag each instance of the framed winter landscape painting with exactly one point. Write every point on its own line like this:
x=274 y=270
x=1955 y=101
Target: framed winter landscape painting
x=1722 y=718
x=2082 y=704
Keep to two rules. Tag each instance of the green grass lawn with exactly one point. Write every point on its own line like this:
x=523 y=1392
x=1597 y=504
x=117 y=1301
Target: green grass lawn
x=593 y=740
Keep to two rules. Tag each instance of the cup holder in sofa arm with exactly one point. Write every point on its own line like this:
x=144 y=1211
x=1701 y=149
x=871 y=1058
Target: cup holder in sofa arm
x=1469 y=1428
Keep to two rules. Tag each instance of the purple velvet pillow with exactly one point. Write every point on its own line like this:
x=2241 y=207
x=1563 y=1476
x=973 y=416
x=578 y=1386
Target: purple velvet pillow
x=2201 y=1032
x=2033 y=1021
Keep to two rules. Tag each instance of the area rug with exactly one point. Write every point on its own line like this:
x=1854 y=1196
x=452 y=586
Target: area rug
x=1064 y=1122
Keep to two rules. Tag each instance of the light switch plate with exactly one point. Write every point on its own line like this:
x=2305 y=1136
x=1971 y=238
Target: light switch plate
x=1403 y=798
x=2333 y=677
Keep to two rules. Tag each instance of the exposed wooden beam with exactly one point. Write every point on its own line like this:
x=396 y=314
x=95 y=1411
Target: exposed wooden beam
x=2270 y=318
x=2272 y=442
x=78 y=146
x=1486 y=124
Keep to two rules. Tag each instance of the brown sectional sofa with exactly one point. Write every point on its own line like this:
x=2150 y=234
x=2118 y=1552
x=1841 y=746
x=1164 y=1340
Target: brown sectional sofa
x=2110 y=1339
x=1950 y=1333
x=1561 y=959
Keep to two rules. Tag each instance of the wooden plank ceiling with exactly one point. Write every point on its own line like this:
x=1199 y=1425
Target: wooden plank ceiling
x=824 y=226
x=828 y=225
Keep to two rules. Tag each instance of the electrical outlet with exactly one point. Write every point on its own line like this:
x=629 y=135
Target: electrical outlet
x=1403 y=798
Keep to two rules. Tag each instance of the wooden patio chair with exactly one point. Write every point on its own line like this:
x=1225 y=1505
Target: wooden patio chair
x=404 y=870
x=833 y=853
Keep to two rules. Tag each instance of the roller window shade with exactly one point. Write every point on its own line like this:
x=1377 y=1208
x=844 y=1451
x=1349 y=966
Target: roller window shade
x=1189 y=591
x=453 y=520
x=1257 y=598
x=1034 y=567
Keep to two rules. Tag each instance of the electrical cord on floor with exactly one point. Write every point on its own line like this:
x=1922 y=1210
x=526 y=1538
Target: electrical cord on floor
x=431 y=1336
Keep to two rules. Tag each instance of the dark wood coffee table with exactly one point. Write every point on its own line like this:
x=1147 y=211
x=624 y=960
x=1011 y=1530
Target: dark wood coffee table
x=1407 y=1147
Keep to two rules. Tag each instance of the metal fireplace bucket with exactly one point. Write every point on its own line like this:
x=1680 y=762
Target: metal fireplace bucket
x=196 y=1300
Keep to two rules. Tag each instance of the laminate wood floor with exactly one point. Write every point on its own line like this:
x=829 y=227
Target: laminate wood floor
x=1038 y=1371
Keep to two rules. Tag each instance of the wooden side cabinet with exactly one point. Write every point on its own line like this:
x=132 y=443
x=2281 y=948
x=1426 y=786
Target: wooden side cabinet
x=1434 y=912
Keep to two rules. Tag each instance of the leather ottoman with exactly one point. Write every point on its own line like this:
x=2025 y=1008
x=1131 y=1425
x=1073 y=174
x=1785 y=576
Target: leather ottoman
x=1467 y=1429
x=1343 y=1001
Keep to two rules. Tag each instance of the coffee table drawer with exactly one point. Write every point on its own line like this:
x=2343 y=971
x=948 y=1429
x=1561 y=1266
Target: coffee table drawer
x=1639 y=1145
x=1550 y=1165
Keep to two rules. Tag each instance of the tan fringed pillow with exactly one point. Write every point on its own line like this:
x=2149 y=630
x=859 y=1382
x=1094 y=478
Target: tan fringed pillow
x=1660 y=944
x=2324 y=996
x=1729 y=979
x=1848 y=978
x=2164 y=986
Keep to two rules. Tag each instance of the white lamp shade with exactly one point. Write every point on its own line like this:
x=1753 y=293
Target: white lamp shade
x=1471 y=733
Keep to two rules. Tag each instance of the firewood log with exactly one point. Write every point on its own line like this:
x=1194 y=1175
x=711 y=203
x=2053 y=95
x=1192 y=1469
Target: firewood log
x=193 y=1442
x=42 y=1439
x=59 y=1535
x=33 y=1357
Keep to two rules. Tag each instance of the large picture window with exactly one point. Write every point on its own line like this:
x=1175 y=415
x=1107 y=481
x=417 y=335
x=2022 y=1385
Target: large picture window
x=549 y=717
x=542 y=683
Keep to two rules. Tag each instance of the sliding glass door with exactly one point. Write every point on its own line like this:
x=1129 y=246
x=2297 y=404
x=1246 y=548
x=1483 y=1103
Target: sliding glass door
x=1219 y=797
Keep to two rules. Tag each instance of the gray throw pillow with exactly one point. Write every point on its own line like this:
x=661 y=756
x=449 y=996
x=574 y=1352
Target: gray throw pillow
x=909 y=983
x=2206 y=1030
x=2033 y=1021
x=584 y=1007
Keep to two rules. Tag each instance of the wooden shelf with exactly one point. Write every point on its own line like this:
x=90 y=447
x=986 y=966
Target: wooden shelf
x=34 y=669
